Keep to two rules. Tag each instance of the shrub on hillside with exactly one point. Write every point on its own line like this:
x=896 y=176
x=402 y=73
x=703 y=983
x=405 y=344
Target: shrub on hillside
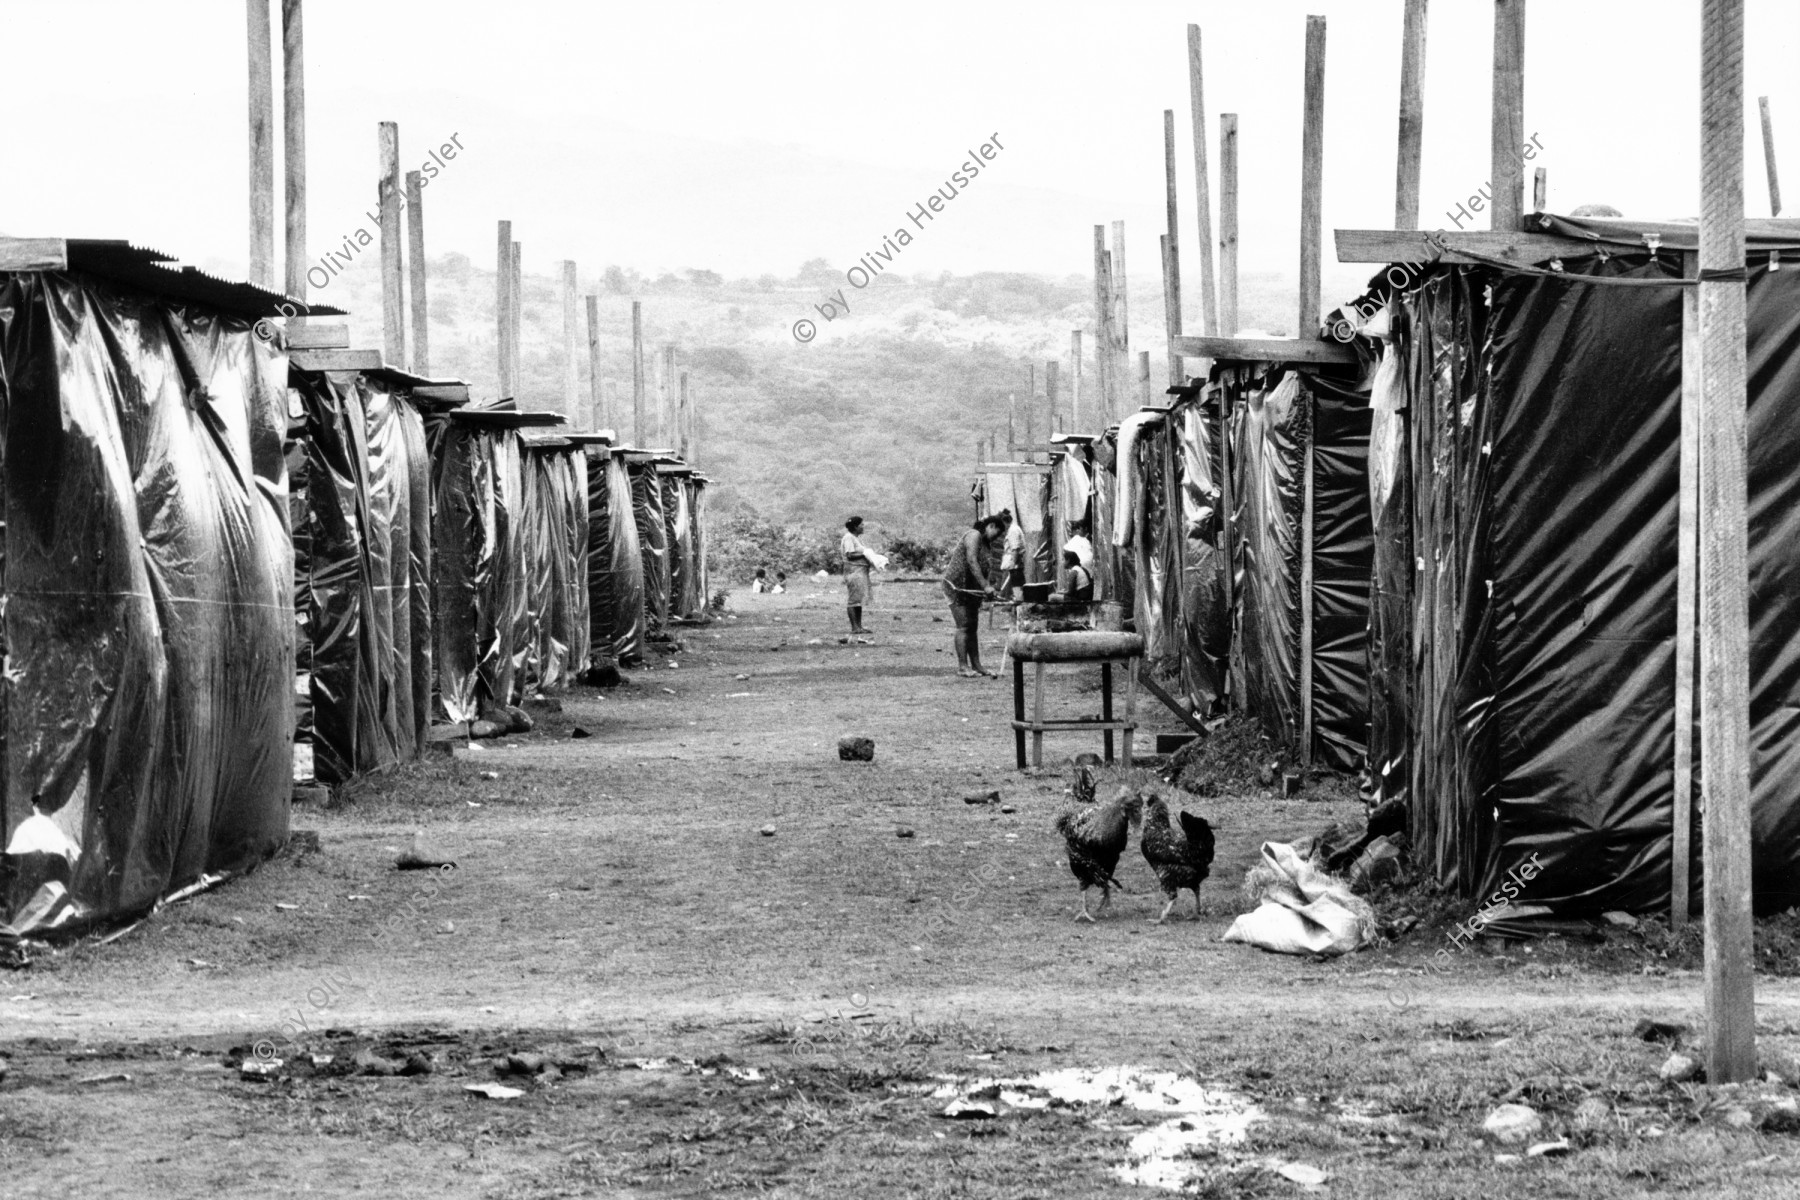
x=918 y=555
x=743 y=541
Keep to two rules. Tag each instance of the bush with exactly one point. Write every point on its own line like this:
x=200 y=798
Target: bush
x=742 y=542
x=919 y=555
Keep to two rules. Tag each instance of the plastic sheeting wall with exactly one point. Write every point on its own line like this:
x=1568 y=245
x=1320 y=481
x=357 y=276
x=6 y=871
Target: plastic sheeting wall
x=365 y=583
x=615 y=562
x=484 y=627
x=1539 y=476
x=653 y=542
x=1203 y=619
x=552 y=521
x=1277 y=420
x=148 y=584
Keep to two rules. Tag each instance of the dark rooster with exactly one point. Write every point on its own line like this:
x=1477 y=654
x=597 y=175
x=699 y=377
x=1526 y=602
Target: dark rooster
x=1180 y=860
x=1096 y=836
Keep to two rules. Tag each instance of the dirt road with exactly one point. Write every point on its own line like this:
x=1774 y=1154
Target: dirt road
x=615 y=900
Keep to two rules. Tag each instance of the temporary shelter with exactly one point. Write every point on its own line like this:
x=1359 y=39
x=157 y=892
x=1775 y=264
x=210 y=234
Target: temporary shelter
x=486 y=634
x=615 y=561
x=360 y=473
x=1525 y=469
x=553 y=521
x=146 y=580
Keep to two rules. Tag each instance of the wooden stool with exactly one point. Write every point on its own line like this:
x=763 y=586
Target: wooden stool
x=1038 y=649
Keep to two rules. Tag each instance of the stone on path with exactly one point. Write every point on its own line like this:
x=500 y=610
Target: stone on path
x=856 y=749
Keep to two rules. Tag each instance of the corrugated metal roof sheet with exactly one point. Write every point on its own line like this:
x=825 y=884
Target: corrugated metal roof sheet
x=160 y=275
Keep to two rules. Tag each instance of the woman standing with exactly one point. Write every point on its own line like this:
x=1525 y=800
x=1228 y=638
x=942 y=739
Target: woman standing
x=966 y=586
x=858 y=561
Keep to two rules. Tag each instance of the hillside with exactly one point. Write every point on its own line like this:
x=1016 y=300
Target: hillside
x=878 y=415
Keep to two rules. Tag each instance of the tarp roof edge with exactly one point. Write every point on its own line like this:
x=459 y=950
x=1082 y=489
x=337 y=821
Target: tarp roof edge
x=159 y=274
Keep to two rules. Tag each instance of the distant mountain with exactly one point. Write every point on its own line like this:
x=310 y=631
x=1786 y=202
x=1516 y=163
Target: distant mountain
x=879 y=414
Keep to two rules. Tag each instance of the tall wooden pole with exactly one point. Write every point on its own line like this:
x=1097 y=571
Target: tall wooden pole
x=1209 y=302
x=693 y=432
x=1031 y=438
x=1687 y=569
x=1051 y=425
x=293 y=143
x=681 y=420
x=1412 y=115
x=1540 y=190
x=1768 y=132
x=1102 y=322
x=262 y=146
x=1724 y=551
x=596 y=384
x=1146 y=389
x=637 y=374
x=503 y=306
x=1171 y=255
x=518 y=317
x=1121 y=329
x=1012 y=427
x=668 y=394
x=571 y=340
x=1075 y=366
x=1312 y=179
x=1508 y=142
x=1228 y=224
x=393 y=267
x=415 y=264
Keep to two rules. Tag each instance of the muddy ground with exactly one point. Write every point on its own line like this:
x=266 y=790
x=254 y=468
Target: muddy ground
x=688 y=1007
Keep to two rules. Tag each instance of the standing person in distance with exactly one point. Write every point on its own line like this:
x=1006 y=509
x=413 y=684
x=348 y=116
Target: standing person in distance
x=859 y=560
x=966 y=585
x=1012 y=557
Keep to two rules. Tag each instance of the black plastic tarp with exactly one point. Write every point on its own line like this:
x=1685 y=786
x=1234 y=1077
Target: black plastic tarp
x=1539 y=472
x=615 y=562
x=552 y=523
x=148 y=586
x=1202 y=616
x=1279 y=417
x=484 y=619
x=653 y=543
x=364 y=586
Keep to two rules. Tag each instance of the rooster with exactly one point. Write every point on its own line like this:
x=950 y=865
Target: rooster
x=1096 y=836
x=1180 y=860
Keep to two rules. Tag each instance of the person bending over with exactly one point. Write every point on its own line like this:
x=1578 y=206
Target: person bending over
x=966 y=585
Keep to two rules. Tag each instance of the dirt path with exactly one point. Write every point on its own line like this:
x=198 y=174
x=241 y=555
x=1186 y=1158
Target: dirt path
x=616 y=889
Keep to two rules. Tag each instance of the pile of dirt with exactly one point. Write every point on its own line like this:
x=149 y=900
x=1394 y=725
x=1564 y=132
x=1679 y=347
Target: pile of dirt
x=1238 y=758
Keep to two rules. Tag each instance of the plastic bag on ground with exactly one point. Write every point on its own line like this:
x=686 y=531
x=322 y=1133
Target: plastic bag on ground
x=1301 y=909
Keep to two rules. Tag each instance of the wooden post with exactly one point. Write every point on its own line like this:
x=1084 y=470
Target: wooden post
x=415 y=264
x=1171 y=254
x=1228 y=224
x=1540 y=190
x=1171 y=307
x=503 y=307
x=596 y=386
x=393 y=266
x=693 y=432
x=1075 y=381
x=1686 y=574
x=1012 y=427
x=293 y=143
x=1768 y=132
x=1507 y=146
x=665 y=417
x=1306 y=600
x=1724 y=552
x=637 y=374
x=1209 y=302
x=571 y=336
x=1412 y=115
x=1102 y=321
x=262 y=145
x=1146 y=389
x=1031 y=439
x=1121 y=328
x=1312 y=179
x=682 y=415
x=1051 y=426
x=518 y=317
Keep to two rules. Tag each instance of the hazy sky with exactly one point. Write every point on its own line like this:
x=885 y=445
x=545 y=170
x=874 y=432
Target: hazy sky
x=746 y=137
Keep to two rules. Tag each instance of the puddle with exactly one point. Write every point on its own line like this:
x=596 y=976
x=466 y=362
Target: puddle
x=1200 y=1118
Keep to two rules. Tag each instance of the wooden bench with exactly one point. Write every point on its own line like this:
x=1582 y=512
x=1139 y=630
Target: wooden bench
x=1041 y=649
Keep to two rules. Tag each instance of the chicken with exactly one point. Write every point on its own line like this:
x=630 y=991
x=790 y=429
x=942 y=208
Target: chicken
x=1096 y=836
x=1180 y=860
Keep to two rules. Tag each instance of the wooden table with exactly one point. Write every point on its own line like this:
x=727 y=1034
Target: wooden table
x=1041 y=649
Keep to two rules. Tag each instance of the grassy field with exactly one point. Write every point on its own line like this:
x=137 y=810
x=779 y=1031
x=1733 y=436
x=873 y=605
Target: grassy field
x=688 y=1007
